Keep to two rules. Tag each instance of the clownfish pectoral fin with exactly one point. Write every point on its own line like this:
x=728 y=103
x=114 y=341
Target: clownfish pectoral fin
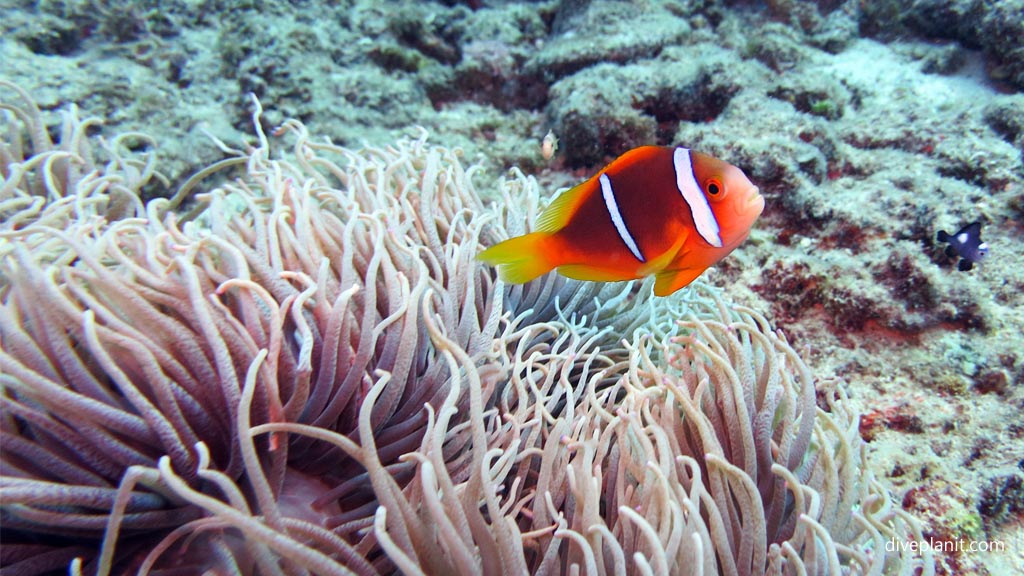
x=663 y=260
x=668 y=281
x=593 y=274
x=520 y=259
x=558 y=213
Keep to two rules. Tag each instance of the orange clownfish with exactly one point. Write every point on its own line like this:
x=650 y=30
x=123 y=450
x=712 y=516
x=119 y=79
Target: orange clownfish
x=655 y=210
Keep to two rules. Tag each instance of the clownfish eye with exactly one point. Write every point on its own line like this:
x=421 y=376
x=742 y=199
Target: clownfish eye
x=713 y=187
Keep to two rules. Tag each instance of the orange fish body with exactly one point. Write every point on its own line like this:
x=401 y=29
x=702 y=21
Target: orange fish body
x=654 y=210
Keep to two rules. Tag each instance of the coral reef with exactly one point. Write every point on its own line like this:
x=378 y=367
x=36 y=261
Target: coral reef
x=868 y=126
x=307 y=371
x=994 y=27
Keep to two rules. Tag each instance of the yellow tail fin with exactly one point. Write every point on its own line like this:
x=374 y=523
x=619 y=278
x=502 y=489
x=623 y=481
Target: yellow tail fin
x=520 y=259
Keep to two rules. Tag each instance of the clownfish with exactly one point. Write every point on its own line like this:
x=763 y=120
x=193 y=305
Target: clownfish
x=656 y=210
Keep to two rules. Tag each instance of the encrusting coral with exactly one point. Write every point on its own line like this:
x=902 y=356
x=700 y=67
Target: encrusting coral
x=310 y=373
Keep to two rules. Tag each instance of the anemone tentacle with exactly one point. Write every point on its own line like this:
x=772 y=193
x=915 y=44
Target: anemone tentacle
x=308 y=372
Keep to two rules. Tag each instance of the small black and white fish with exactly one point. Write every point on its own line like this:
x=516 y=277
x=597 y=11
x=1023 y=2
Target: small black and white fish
x=965 y=244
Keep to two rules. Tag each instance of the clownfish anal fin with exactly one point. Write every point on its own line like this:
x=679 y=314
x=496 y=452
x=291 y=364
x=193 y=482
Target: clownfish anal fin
x=558 y=213
x=668 y=281
x=593 y=273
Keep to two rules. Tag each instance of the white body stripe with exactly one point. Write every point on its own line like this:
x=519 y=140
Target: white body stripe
x=703 y=217
x=613 y=211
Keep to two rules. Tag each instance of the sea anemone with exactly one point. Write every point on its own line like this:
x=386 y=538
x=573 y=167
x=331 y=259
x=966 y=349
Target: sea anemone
x=308 y=372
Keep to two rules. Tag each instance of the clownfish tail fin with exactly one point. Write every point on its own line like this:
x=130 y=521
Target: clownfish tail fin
x=520 y=259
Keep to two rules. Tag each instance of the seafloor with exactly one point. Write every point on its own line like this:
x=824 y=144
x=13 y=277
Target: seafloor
x=868 y=126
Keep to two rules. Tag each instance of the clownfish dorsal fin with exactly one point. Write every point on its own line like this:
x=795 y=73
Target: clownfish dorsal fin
x=558 y=213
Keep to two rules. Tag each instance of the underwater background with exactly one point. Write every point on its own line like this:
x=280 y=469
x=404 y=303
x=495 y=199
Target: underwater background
x=867 y=125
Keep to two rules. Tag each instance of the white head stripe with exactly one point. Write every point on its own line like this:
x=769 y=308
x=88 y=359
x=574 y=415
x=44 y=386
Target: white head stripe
x=686 y=182
x=613 y=211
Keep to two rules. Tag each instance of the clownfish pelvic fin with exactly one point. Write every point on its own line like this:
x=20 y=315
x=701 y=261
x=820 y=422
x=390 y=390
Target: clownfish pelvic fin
x=668 y=281
x=520 y=259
